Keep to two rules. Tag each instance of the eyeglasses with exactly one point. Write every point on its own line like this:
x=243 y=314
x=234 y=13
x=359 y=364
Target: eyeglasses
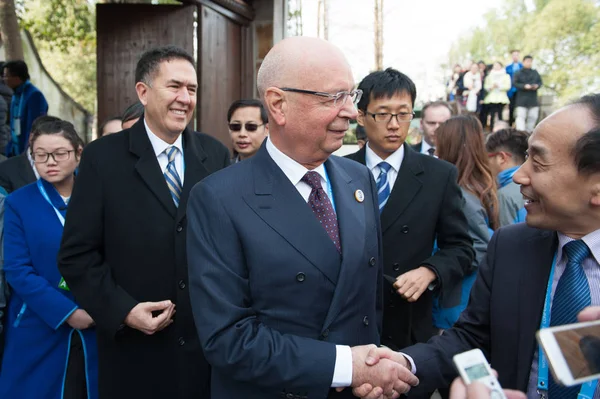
x=337 y=98
x=250 y=127
x=386 y=117
x=493 y=154
x=58 y=156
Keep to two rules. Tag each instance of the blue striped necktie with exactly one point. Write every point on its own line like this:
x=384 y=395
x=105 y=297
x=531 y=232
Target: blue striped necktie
x=171 y=175
x=383 y=185
x=571 y=296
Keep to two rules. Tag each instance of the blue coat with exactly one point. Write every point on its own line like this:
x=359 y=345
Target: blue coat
x=27 y=104
x=37 y=336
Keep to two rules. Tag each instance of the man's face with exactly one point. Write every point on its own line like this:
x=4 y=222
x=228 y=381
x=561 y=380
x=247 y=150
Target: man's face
x=11 y=80
x=247 y=142
x=314 y=126
x=527 y=63
x=515 y=56
x=431 y=120
x=170 y=99
x=557 y=196
x=386 y=137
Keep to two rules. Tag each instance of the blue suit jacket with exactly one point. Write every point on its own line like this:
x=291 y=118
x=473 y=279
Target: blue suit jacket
x=271 y=296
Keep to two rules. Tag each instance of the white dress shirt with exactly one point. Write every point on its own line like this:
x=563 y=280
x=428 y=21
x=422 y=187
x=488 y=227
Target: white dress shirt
x=425 y=147
x=342 y=373
x=395 y=161
x=159 y=146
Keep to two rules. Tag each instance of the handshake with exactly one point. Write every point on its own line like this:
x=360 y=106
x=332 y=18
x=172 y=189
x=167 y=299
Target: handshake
x=380 y=373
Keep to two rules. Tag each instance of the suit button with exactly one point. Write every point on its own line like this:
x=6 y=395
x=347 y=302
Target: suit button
x=300 y=277
x=396 y=266
x=290 y=396
x=324 y=335
x=405 y=229
x=182 y=284
x=366 y=321
x=372 y=261
x=179 y=228
x=181 y=341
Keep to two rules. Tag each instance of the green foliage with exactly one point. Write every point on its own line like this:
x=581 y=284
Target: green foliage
x=562 y=35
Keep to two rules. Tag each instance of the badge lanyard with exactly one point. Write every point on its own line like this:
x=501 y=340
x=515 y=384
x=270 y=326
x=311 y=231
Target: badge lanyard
x=588 y=388
x=62 y=284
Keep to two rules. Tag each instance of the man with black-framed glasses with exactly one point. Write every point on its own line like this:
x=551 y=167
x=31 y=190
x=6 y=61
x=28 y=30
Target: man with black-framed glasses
x=419 y=201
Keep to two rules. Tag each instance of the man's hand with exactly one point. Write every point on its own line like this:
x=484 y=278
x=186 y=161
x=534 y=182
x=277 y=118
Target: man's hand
x=591 y=313
x=141 y=318
x=371 y=389
x=528 y=86
x=411 y=285
x=80 y=320
x=477 y=390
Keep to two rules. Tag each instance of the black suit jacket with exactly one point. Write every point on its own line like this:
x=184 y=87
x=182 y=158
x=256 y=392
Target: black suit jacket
x=16 y=172
x=124 y=242
x=425 y=203
x=417 y=147
x=503 y=315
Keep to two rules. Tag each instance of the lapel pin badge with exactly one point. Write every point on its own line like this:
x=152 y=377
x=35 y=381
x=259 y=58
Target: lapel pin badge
x=359 y=195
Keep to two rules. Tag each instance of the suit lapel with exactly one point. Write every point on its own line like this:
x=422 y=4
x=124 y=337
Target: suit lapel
x=533 y=281
x=277 y=202
x=406 y=187
x=148 y=168
x=194 y=157
x=351 y=222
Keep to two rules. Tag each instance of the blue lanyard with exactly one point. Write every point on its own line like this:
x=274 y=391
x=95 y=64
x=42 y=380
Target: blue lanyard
x=329 y=189
x=47 y=198
x=588 y=388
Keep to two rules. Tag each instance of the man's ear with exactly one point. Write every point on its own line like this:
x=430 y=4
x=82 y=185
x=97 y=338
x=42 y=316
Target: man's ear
x=142 y=91
x=360 y=119
x=595 y=199
x=276 y=104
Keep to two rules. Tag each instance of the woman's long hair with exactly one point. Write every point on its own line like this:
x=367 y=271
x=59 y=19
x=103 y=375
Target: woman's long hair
x=460 y=141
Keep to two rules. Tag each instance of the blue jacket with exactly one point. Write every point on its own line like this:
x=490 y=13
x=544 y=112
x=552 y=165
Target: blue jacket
x=37 y=336
x=27 y=104
x=511 y=69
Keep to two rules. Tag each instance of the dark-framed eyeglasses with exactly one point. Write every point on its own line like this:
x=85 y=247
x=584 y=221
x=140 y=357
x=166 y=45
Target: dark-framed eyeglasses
x=337 y=98
x=493 y=154
x=58 y=156
x=249 y=126
x=386 y=117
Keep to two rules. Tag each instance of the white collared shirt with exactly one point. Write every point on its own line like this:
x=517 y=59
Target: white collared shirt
x=294 y=171
x=395 y=161
x=159 y=146
x=425 y=147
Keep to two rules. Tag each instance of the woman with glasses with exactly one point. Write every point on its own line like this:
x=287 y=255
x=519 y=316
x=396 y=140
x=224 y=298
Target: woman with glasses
x=248 y=128
x=460 y=141
x=50 y=348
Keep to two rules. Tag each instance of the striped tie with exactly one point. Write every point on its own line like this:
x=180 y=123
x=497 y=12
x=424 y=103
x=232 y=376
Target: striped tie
x=171 y=175
x=571 y=296
x=383 y=186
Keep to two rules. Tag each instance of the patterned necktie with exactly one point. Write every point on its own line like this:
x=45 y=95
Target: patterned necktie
x=171 y=175
x=383 y=186
x=322 y=208
x=571 y=296
x=431 y=151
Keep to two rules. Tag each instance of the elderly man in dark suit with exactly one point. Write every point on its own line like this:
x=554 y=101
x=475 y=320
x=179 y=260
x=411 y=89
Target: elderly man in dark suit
x=538 y=274
x=123 y=252
x=285 y=258
x=420 y=202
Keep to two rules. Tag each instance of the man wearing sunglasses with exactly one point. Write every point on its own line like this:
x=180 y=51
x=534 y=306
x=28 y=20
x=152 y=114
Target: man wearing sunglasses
x=248 y=128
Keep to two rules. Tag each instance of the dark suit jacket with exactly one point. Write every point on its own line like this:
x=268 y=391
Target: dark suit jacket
x=271 y=295
x=417 y=147
x=124 y=243
x=503 y=315
x=425 y=203
x=16 y=172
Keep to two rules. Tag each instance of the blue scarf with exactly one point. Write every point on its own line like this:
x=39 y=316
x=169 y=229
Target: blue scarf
x=505 y=177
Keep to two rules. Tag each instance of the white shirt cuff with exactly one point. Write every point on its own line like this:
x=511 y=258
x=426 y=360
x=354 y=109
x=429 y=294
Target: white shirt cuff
x=413 y=368
x=342 y=372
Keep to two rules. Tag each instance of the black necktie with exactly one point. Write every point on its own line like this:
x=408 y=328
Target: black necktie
x=431 y=151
